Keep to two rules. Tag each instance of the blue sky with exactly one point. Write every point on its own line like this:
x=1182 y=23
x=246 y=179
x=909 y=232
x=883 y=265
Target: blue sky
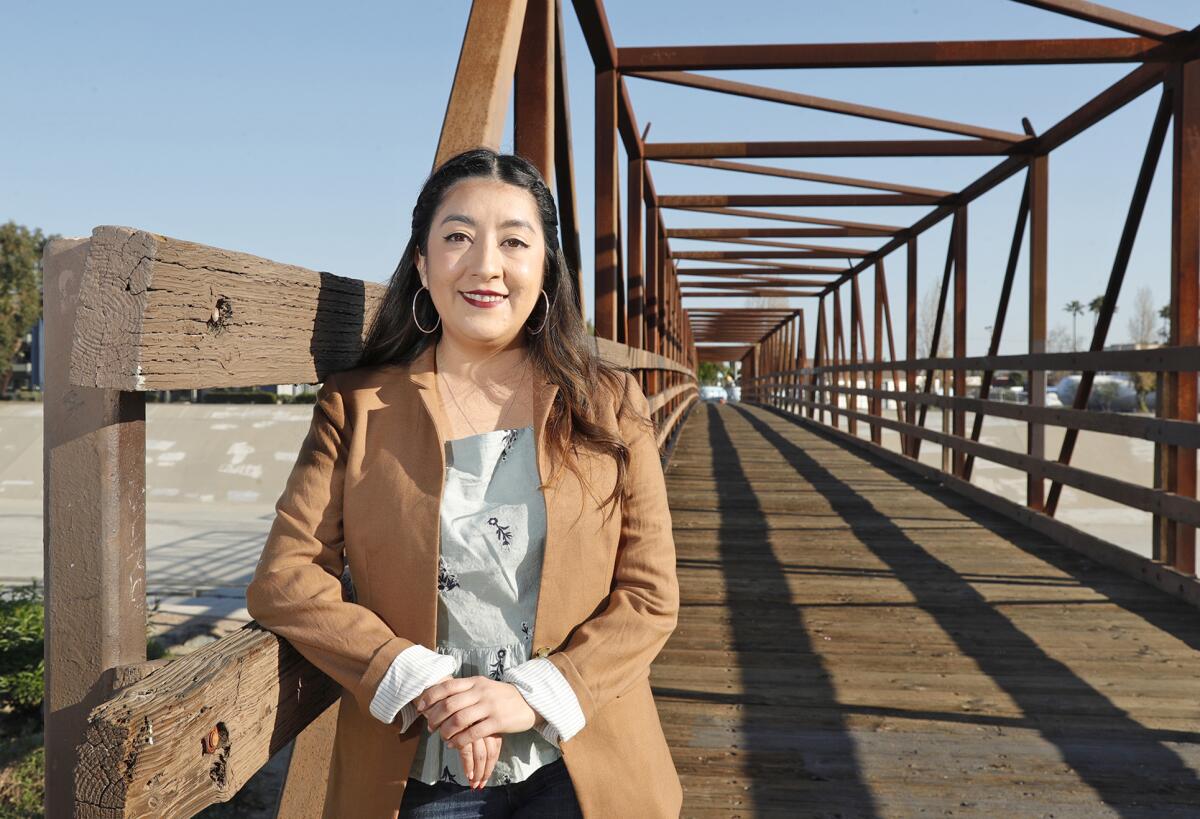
x=302 y=131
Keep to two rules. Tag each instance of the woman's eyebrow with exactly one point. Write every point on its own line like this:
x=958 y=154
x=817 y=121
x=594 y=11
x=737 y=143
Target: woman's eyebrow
x=467 y=220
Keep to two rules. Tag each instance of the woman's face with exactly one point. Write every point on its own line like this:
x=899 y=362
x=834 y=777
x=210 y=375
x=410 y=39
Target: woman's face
x=485 y=263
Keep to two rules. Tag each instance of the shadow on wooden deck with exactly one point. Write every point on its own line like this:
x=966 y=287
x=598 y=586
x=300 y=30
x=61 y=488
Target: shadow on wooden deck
x=855 y=640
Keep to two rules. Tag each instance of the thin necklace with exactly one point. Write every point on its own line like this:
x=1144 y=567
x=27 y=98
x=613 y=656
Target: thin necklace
x=503 y=409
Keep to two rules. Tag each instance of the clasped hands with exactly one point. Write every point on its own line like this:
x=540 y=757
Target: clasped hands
x=471 y=713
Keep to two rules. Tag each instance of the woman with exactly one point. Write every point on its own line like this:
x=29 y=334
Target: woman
x=497 y=491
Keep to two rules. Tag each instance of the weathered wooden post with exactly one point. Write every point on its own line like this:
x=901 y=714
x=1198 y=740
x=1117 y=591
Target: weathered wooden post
x=94 y=463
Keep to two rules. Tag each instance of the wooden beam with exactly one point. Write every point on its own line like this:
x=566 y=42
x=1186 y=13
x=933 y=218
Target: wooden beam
x=870 y=229
x=607 y=178
x=627 y=125
x=1185 y=295
x=820 y=357
x=758 y=281
x=759 y=92
x=784 y=233
x=148 y=320
x=650 y=275
x=831 y=148
x=564 y=160
x=806 y=253
x=910 y=332
x=221 y=692
x=1105 y=16
x=959 y=349
x=892 y=55
x=594 y=24
x=760 y=293
x=807 y=176
x=760 y=271
x=875 y=403
x=856 y=323
x=534 y=99
x=781 y=245
x=1039 y=236
x=94 y=445
x=797 y=200
x=483 y=80
x=635 y=178
x=752 y=285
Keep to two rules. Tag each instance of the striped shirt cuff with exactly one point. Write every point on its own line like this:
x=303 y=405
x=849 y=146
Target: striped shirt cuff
x=414 y=669
x=547 y=691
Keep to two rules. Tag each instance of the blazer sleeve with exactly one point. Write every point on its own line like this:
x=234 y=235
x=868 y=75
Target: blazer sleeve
x=613 y=649
x=296 y=590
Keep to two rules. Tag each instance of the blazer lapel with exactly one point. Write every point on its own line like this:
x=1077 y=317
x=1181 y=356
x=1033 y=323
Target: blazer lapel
x=547 y=618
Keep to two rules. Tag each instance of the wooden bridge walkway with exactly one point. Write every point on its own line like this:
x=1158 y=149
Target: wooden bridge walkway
x=857 y=641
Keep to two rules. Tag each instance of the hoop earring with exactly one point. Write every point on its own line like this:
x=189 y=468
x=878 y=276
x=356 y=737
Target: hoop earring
x=545 y=317
x=414 y=311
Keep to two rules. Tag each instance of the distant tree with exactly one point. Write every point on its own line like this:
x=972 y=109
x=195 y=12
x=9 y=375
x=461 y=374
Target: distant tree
x=1058 y=340
x=1142 y=320
x=1143 y=384
x=1095 y=306
x=1075 y=308
x=708 y=373
x=926 y=320
x=1164 y=332
x=1104 y=395
x=20 y=290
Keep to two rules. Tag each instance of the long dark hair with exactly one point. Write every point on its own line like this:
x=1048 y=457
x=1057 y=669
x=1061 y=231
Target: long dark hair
x=561 y=351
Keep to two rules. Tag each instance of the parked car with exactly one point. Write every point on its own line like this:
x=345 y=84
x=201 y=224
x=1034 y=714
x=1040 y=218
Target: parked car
x=1115 y=393
x=713 y=393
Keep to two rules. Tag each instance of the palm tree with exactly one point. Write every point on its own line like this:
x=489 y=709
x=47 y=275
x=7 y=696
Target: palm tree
x=1095 y=306
x=1075 y=308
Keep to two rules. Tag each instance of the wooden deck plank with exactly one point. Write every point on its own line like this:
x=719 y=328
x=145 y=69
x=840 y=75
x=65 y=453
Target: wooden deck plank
x=856 y=641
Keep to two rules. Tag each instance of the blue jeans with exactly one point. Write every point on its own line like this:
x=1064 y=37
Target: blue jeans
x=547 y=793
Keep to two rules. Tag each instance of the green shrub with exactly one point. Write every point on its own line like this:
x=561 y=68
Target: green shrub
x=21 y=648
x=22 y=776
x=22 y=755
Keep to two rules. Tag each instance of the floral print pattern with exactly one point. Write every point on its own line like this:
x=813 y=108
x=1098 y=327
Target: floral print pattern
x=489 y=563
x=503 y=533
x=447 y=579
x=497 y=670
x=510 y=438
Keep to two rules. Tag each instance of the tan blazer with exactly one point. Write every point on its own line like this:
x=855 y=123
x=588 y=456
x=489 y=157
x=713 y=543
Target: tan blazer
x=366 y=487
